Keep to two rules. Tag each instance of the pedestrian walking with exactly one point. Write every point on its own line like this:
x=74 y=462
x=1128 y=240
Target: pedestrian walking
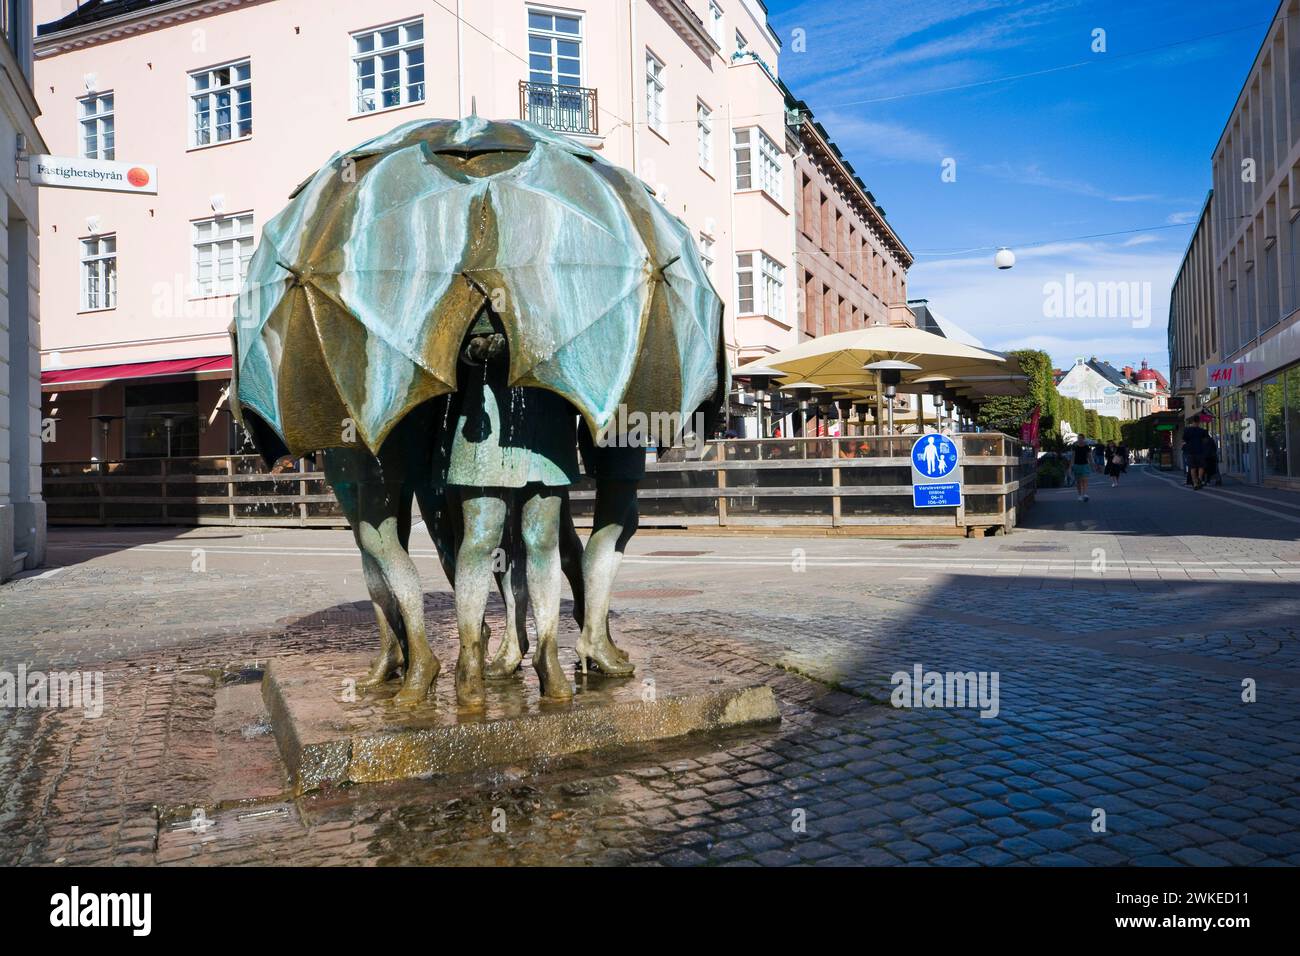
x=1118 y=463
x=1194 y=437
x=1082 y=469
x=1211 y=458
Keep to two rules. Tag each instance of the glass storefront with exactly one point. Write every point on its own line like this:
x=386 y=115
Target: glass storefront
x=1272 y=427
x=1232 y=453
x=1292 y=378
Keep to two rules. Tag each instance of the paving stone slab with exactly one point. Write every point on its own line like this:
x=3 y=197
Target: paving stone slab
x=329 y=732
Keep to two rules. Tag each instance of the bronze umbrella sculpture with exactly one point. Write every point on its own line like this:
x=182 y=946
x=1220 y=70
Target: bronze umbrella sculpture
x=362 y=290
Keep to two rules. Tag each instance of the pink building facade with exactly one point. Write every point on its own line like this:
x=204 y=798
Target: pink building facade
x=237 y=101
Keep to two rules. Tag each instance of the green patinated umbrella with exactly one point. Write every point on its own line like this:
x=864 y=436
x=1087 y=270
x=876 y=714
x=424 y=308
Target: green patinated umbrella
x=361 y=290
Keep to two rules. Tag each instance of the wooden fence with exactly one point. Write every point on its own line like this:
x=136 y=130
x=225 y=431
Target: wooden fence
x=830 y=483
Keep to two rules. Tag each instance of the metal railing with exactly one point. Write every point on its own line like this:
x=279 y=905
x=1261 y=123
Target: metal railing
x=838 y=483
x=565 y=109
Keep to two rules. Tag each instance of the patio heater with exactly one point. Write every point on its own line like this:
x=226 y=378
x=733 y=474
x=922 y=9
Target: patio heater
x=863 y=408
x=169 y=422
x=825 y=402
x=760 y=380
x=801 y=392
x=890 y=375
x=105 y=423
x=935 y=390
x=950 y=394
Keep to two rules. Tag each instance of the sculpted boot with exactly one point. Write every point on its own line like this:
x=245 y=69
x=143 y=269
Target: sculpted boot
x=546 y=661
x=470 y=692
x=602 y=655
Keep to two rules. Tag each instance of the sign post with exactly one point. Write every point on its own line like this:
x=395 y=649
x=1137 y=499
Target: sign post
x=936 y=481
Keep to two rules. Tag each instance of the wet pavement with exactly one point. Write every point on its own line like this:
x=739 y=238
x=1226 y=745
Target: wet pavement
x=1124 y=633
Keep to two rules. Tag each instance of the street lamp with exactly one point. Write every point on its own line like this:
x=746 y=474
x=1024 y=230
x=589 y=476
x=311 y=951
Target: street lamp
x=1005 y=258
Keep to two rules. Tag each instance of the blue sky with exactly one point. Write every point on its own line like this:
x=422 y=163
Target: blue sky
x=1121 y=142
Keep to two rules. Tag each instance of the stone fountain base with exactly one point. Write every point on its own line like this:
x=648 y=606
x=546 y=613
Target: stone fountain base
x=329 y=733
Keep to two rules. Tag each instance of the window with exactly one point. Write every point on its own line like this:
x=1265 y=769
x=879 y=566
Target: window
x=388 y=66
x=554 y=49
x=763 y=294
x=743 y=155
x=222 y=248
x=715 y=22
x=744 y=282
x=767 y=175
x=742 y=45
x=704 y=133
x=96 y=117
x=99 y=273
x=221 y=104
x=706 y=254
x=654 y=92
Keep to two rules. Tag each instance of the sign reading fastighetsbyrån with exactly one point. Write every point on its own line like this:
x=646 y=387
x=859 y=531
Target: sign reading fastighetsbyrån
x=104 y=174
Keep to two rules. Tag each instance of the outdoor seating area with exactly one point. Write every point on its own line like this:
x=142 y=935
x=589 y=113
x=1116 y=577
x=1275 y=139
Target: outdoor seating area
x=830 y=483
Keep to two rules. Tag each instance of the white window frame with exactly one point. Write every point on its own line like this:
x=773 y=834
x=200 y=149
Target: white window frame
x=233 y=88
x=762 y=157
x=742 y=44
x=706 y=244
x=704 y=135
x=717 y=22
x=656 y=92
x=554 y=37
x=101 y=123
x=745 y=279
x=742 y=159
x=241 y=240
x=98 y=272
x=773 y=286
x=366 y=102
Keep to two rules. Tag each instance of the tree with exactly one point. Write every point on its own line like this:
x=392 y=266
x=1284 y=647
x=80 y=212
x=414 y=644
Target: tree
x=1006 y=413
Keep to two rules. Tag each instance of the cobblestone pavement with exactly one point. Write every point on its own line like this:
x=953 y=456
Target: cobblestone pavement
x=1121 y=631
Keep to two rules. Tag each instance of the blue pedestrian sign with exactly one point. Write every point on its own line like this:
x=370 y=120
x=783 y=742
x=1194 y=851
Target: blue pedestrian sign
x=936 y=480
x=934 y=456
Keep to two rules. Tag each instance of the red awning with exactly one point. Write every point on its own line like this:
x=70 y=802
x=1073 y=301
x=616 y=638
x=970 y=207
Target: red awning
x=112 y=373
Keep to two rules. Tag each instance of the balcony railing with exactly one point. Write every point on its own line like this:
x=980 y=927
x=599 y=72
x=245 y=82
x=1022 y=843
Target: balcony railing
x=565 y=109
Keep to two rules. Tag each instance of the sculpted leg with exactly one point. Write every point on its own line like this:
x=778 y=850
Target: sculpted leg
x=513 y=584
x=391 y=654
x=484 y=517
x=541 y=521
x=571 y=559
x=615 y=521
x=382 y=542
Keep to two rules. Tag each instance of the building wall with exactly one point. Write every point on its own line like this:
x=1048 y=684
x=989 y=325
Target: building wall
x=300 y=55
x=22 y=510
x=852 y=268
x=1256 y=263
x=1101 y=395
x=1193 y=330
